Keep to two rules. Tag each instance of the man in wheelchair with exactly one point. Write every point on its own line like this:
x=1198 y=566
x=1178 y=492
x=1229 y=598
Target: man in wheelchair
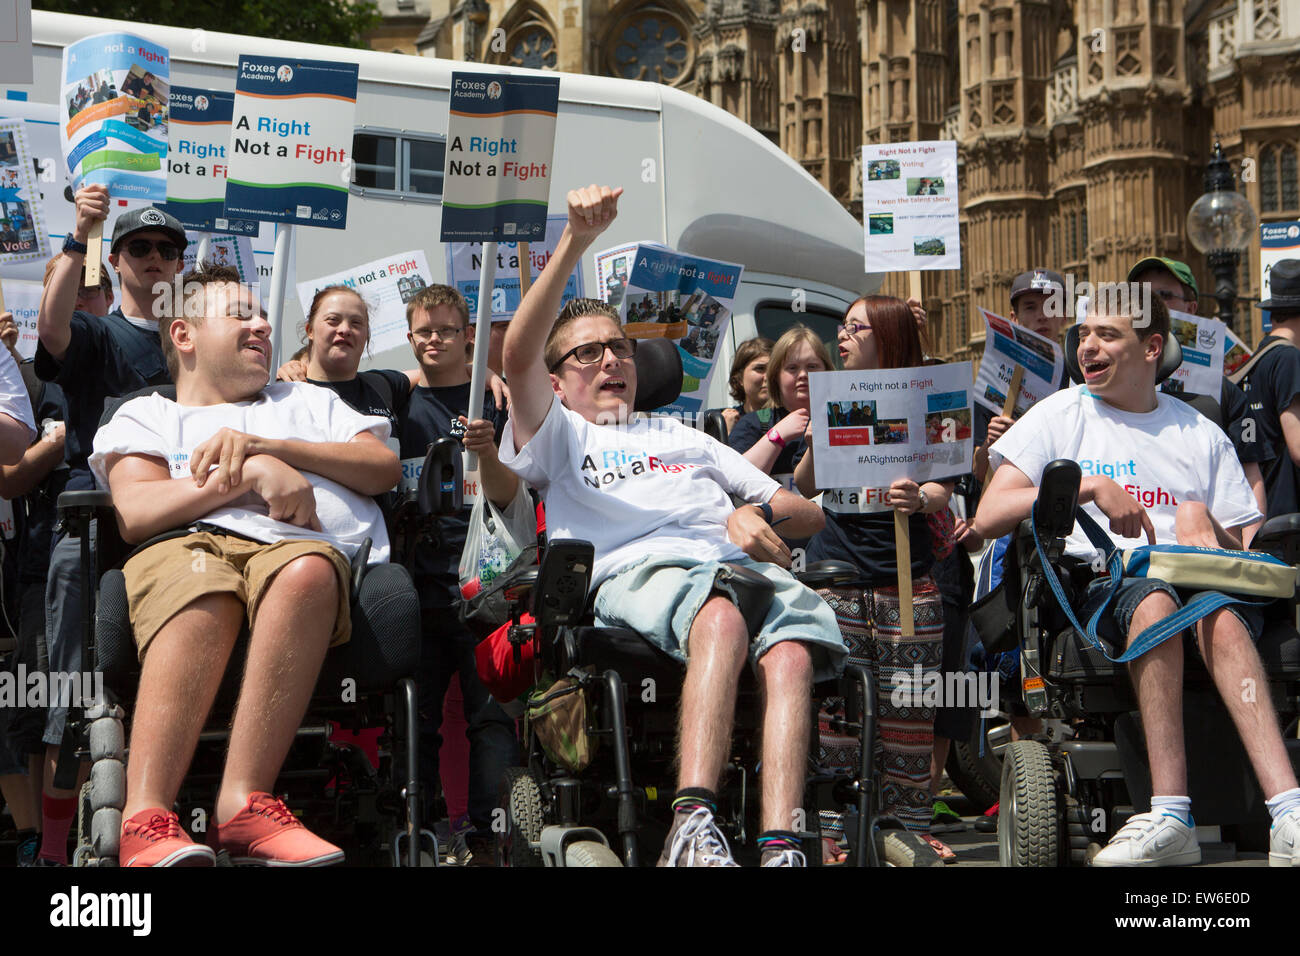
x=652 y=495
x=273 y=483
x=1155 y=469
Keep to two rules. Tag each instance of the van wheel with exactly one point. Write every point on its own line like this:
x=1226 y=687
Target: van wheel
x=1028 y=826
x=522 y=799
x=590 y=853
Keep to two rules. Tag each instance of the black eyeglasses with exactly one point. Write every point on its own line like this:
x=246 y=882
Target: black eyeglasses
x=589 y=353
x=139 y=248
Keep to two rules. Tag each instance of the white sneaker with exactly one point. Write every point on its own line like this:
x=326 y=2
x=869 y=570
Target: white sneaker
x=695 y=840
x=785 y=858
x=1151 y=839
x=1284 y=840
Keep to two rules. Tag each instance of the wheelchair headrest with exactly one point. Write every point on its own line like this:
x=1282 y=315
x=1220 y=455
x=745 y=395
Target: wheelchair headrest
x=1171 y=356
x=113 y=404
x=658 y=374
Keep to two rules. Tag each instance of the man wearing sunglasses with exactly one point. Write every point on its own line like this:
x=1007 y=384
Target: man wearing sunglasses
x=653 y=498
x=93 y=358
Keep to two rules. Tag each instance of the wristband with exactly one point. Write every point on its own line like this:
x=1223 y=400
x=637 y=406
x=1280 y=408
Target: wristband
x=925 y=500
x=767 y=511
x=775 y=438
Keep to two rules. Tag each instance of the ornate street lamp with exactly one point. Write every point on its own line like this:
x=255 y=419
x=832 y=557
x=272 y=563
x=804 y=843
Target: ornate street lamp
x=1221 y=223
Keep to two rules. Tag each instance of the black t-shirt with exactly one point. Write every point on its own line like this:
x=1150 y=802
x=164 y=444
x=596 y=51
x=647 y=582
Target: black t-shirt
x=428 y=417
x=751 y=429
x=362 y=395
x=1271 y=387
x=867 y=540
x=107 y=357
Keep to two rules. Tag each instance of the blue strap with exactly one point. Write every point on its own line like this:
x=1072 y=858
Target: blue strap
x=1202 y=605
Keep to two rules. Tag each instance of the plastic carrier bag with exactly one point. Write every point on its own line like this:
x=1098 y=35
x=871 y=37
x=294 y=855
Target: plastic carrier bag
x=495 y=538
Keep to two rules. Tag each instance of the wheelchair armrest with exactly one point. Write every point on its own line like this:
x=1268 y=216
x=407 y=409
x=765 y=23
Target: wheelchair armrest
x=563 y=580
x=715 y=426
x=359 y=563
x=830 y=574
x=1280 y=537
x=518 y=587
x=80 y=506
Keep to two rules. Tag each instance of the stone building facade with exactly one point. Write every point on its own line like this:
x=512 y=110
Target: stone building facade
x=1083 y=126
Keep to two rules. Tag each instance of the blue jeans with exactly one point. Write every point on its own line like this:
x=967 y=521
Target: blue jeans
x=1115 y=624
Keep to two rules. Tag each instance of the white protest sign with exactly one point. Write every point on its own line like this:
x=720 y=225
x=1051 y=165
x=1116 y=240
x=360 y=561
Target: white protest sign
x=1007 y=345
x=613 y=266
x=22 y=216
x=1203 y=346
x=233 y=251
x=198 y=146
x=909 y=206
x=386 y=285
x=1235 y=352
x=464 y=260
x=23 y=299
x=873 y=428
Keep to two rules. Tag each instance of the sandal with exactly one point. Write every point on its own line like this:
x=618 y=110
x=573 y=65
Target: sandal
x=945 y=852
x=832 y=853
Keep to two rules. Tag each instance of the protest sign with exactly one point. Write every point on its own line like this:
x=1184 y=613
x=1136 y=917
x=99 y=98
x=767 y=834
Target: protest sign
x=909 y=206
x=1235 y=353
x=386 y=285
x=873 y=428
x=684 y=298
x=464 y=260
x=500 y=138
x=116 y=94
x=23 y=299
x=1006 y=347
x=1277 y=241
x=22 y=219
x=612 y=269
x=291 y=141
x=15 y=41
x=233 y=251
x=198 y=141
x=1202 y=341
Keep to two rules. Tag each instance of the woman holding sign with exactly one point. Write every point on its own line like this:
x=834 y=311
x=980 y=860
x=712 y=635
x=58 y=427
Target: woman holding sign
x=880 y=332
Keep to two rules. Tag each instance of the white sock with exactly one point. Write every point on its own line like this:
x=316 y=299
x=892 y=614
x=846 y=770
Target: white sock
x=1283 y=802
x=1180 y=807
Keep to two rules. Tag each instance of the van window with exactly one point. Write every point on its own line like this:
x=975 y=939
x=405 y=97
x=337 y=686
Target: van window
x=773 y=318
x=397 y=165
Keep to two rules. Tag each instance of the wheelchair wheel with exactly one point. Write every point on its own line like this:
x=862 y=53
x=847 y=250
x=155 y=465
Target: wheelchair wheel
x=1028 y=828
x=979 y=778
x=590 y=853
x=521 y=797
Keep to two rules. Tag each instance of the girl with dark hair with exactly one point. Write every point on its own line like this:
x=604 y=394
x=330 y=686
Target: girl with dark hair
x=748 y=380
x=880 y=332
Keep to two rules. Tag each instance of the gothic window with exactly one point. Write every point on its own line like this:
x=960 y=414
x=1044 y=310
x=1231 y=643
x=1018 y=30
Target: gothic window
x=1083 y=233
x=1279 y=188
x=1072 y=238
x=1004 y=110
x=1127 y=44
x=1056 y=244
x=532 y=47
x=1268 y=19
x=650 y=43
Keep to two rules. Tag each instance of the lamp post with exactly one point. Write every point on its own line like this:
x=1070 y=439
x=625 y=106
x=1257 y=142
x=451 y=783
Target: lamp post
x=1220 y=224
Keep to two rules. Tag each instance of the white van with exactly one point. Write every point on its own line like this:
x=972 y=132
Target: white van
x=696 y=178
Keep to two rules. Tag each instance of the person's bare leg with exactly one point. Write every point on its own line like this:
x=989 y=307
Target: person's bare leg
x=179 y=678
x=785 y=682
x=1158 y=680
x=1232 y=661
x=718 y=646
x=290 y=636
x=938 y=760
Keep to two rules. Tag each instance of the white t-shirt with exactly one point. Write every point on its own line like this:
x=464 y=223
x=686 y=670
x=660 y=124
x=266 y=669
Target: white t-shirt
x=653 y=486
x=1161 y=458
x=13 y=393
x=155 y=426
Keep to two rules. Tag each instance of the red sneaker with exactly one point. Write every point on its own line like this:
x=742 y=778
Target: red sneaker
x=154 y=838
x=266 y=832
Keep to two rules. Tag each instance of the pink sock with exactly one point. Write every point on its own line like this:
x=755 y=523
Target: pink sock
x=57 y=814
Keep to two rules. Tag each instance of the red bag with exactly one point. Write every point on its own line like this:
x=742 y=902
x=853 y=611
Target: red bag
x=503 y=676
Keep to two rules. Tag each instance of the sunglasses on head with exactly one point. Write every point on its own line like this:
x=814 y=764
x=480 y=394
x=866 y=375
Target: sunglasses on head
x=588 y=353
x=139 y=248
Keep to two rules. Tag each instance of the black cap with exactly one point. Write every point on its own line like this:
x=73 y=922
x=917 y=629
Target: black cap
x=1283 y=286
x=148 y=219
x=1037 y=280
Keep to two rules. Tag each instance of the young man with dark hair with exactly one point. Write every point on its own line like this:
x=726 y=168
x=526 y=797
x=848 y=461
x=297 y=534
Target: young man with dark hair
x=94 y=357
x=273 y=482
x=1118 y=423
x=441 y=336
x=653 y=497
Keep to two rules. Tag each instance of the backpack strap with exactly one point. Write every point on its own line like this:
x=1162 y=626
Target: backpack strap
x=1239 y=376
x=380 y=383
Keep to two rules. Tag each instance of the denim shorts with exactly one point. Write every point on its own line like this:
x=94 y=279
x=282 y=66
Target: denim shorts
x=1113 y=627
x=659 y=596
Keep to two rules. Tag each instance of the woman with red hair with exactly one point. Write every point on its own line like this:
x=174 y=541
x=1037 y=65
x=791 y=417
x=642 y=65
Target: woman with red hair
x=880 y=332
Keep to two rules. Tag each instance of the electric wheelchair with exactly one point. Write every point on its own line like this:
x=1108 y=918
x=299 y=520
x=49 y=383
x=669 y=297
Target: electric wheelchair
x=1062 y=797
x=373 y=813
x=616 y=809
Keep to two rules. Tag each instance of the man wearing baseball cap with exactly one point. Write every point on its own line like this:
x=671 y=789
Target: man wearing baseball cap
x=1271 y=381
x=1174 y=283
x=94 y=358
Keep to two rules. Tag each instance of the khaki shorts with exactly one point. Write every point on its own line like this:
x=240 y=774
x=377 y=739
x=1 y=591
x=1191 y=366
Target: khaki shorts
x=162 y=580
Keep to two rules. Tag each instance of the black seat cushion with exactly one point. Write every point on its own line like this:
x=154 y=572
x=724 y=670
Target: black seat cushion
x=383 y=649
x=624 y=651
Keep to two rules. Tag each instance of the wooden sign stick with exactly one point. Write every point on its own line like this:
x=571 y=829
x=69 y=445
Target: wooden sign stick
x=94 y=253
x=902 y=530
x=525 y=271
